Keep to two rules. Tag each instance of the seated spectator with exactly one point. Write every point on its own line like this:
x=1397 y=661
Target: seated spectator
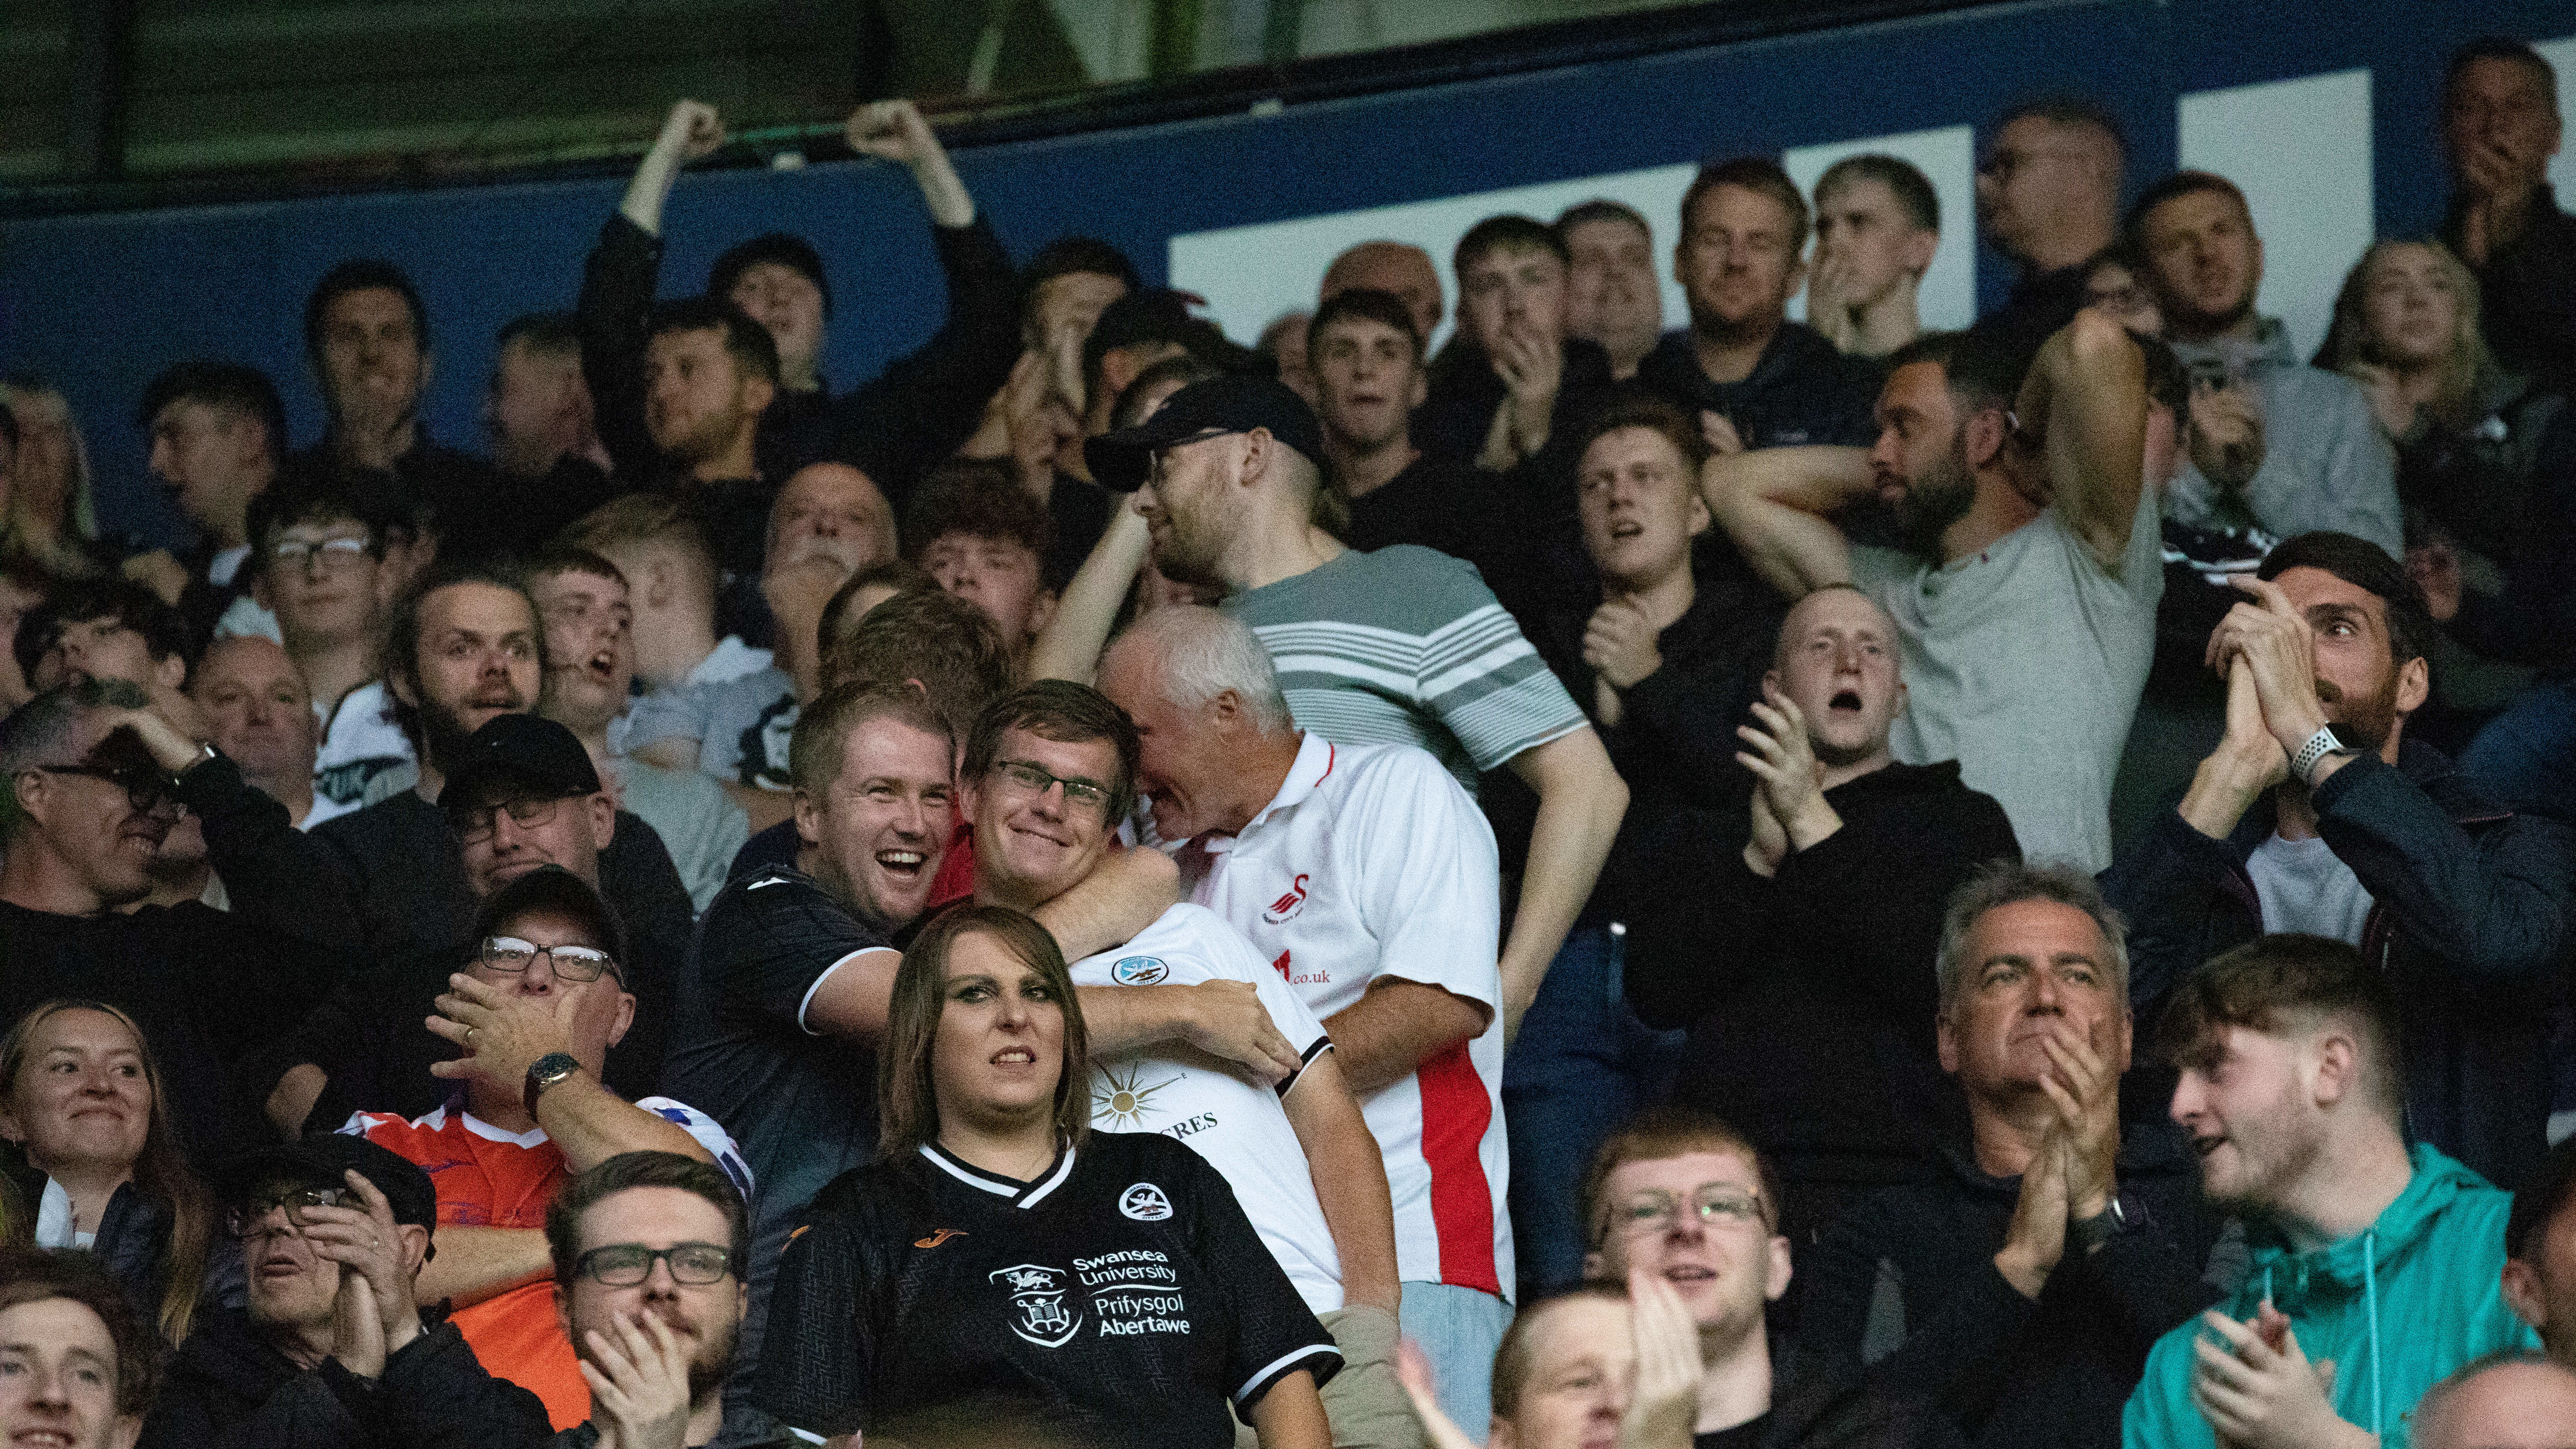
x=259 y=715
x=1512 y=379
x=545 y=437
x=81 y=1372
x=1235 y=469
x=1878 y=223
x=528 y=1113
x=1368 y=879
x=896 y=425
x=2500 y=127
x=2276 y=442
x=328 y=557
x=2018 y=1289
x=2477 y=449
x=2500 y=1401
x=207 y=987
x=982 y=538
x=2382 y=1258
x=1390 y=266
x=2024 y=590
x=1771 y=382
x=51 y=518
x=366 y=340
x=828 y=523
x=649 y=1251
x=1679 y=1198
x=218 y=437
x=1566 y=1374
x=986 y=1078
x=2316 y=814
x=2048 y=201
x=1369 y=379
x=1799 y=971
x=99 y=1164
x=1612 y=295
x=2540 y=1253
x=590 y=667
x=330 y=1349
x=1282 y=1129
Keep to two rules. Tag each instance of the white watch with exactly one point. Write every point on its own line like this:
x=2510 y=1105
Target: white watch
x=2321 y=744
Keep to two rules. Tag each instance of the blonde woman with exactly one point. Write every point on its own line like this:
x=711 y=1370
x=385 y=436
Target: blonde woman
x=50 y=520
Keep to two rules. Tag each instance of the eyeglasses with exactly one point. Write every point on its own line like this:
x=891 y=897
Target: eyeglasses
x=624 y=1265
x=243 y=1220
x=1656 y=1210
x=474 y=822
x=1155 y=461
x=1090 y=794
x=146 y=789
x=569 y=963
x=319 y=554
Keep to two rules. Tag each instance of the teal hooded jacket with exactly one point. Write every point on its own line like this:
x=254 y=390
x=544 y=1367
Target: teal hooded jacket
x=2397 y=1306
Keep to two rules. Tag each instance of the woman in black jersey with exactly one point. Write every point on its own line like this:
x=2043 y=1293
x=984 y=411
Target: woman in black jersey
x=1002 y=1268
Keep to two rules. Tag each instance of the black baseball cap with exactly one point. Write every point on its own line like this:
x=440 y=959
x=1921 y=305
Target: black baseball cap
x=553 y=888
x=1236 y=403
x=319 y=1161
x=519 y=753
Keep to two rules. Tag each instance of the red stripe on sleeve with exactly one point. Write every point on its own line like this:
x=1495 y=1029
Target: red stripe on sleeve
x=1455 y=1113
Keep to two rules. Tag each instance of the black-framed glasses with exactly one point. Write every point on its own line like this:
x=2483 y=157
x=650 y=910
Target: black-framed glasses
x=1711 y=1204
x=569 y=963
x=1090 y=794
x=319 y=554
x=624 y=1265
x=243 y=1220
x=146 y=788
x=1154 y=461
x=474 y=822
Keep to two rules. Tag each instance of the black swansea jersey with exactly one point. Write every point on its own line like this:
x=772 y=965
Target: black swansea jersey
x=1122 y=1296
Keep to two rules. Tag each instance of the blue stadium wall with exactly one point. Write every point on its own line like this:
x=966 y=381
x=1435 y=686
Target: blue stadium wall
x=102 y=302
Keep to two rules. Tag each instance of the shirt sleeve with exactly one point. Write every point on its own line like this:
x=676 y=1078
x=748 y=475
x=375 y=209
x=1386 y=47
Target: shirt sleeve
x=770 y=942
x=667 y=714
x=818 y=1356
x=1231 y=955
x=710 y=1134
x=1429 y=877
x=1275 y=1334
x=1479 y=674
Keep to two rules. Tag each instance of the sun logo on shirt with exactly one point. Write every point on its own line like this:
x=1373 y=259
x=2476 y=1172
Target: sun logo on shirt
x=1119 y=1104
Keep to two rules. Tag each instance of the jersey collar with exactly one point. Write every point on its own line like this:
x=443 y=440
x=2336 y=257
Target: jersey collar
x=1021 y=1194
x=1315 y=759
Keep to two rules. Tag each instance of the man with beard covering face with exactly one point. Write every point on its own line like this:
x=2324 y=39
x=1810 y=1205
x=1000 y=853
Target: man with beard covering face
x=2025 y=582
x=2316 y=815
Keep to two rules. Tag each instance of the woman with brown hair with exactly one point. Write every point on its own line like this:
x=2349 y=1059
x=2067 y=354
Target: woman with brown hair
x=1001 y=1263
x=96 y=1162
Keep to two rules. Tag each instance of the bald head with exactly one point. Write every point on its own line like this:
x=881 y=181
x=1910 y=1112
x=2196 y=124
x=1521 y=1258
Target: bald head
x=1390 y=266
x=2516 y=1403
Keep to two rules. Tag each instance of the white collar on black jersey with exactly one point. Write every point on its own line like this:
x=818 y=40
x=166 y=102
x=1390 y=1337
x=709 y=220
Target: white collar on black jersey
x=1021 y=1194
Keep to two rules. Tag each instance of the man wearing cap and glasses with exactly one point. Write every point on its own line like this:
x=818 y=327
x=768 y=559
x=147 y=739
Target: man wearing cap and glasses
x=330 y=1349
x=535 y=1013
x=86 y=811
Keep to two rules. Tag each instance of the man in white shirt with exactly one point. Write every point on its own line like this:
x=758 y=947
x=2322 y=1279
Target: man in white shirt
x=1368 y=880
x=1049 y=767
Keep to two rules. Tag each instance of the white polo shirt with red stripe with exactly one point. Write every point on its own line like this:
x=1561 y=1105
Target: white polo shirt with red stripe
x=1372 y=862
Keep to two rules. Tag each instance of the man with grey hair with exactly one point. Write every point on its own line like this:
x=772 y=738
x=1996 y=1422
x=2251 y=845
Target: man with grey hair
x=2512 y=1400
x=2021 y=1290
x=1365 y=876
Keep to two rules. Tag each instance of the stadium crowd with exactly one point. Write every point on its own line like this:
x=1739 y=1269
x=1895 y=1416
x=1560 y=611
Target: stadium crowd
x=1752 y=885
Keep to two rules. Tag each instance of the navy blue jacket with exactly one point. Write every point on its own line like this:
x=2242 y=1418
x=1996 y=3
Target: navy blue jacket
x=2469 y=923
x=1802 y=391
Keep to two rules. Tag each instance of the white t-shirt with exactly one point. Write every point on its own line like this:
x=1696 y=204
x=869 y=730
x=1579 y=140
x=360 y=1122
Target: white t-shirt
x=2304 y=888
x=1225 y=1116
x=2023 y=662
x=359 y=742
x=1372 y=862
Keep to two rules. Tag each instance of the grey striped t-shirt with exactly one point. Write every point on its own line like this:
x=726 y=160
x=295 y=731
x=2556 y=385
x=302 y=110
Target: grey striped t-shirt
x=1407 y=646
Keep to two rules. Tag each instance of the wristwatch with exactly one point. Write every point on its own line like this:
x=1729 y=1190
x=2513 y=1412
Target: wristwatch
x=544 y=1072
x=2091 y=1233
x=2321 y=744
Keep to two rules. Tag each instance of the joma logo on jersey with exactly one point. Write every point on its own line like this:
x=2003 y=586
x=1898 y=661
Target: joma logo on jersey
x=935 y=1239
x=1285 y=909
x=1038 y=1314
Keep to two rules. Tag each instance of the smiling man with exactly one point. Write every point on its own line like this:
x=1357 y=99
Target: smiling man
x=2385 y=1259
x=2018 y=1282
x=2317 y=813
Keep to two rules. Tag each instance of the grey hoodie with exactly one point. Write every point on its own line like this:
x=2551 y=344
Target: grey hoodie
x=2326 y=463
